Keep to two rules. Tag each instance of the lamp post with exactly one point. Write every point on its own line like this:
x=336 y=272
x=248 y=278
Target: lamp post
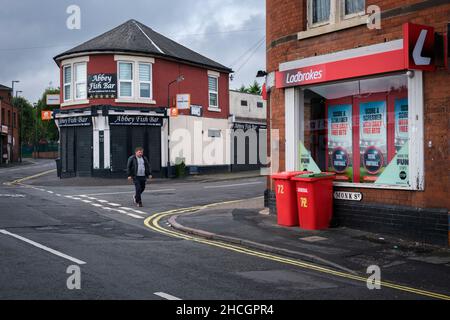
x=35 y=130
x=20 y=130
x=12 y=95
x=169 y=167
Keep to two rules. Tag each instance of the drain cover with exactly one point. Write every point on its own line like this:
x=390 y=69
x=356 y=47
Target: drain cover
x=313 y=239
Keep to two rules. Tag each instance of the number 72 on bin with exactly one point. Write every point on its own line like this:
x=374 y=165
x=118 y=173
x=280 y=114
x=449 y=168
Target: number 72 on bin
x=280 y=189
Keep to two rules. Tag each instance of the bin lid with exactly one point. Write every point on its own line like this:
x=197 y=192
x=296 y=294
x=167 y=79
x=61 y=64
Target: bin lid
x=314 y=176
x=286 y=175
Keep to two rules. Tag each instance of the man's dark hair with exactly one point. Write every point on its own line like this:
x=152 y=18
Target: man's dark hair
x=138 y=149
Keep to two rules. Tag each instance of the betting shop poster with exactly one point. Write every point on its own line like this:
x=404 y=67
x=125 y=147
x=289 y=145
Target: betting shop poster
x=340 y=153
x=372 y=140
x=397 y=172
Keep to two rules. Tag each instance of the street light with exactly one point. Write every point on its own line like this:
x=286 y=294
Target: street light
x=20 y=128
x=177 y=80
x=12 y=86
x=35 y=131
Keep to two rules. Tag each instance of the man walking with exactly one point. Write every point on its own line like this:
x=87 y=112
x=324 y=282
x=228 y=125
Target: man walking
x=139 y=170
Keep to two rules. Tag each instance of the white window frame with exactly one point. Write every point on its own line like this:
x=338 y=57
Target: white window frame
x=71 y=63
x=351 y=15
x=128 y=81
x=311 y=24
x=135 y=60
x=216 y=76
x=65 y=84
x=146 y=82
x=337 y=21
x=76 y=82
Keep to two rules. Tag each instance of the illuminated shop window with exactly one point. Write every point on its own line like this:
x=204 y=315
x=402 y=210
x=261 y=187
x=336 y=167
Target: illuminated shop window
x=357 y=129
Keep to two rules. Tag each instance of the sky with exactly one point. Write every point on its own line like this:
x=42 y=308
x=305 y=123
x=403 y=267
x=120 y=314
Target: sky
x=32 y=32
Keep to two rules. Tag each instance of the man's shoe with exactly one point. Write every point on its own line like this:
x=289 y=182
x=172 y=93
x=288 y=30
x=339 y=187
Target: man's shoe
x=140 y=205
x=134 y=199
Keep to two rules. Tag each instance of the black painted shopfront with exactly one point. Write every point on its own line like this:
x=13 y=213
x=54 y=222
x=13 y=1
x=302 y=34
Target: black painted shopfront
x=76 y=146
x=130 y=132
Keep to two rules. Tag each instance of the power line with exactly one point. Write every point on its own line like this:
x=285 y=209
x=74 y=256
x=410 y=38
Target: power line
x=247 y=51
x=180 y=35
x=251 y=55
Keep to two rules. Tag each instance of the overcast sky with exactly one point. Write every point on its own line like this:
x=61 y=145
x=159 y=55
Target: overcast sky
x=32 y=32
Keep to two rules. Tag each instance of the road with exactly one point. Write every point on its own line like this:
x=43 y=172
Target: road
x=45 y=230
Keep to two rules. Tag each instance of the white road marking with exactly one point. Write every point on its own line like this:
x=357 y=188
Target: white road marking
x=50 y=191
x=166 y=296
x=233 y=185
x=40 y=246
x=96 y=205
x=114 y=204
x=134 y=216
x=130 y=192
x=103 y=201
x=87 y=201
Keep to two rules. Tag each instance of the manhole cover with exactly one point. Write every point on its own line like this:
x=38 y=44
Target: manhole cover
x=313 y=239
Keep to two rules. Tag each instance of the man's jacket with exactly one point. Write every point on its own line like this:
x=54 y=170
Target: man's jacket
x=132 y=166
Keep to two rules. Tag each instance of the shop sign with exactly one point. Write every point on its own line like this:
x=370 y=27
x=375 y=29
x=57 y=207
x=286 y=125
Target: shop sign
x=196 y=111
x=5 y=129
x=349 y=196
x=102 y=85
x=248 y=126
x=418 y=43
x=130 y=120
x=183 y=101
x=46 y=115
x=53 y=100
x=75 y=122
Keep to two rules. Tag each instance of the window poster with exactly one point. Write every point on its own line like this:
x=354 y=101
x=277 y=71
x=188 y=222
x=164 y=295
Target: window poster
x=397 y=172
x=340 y=147
x=401 y=123
x=372 y=140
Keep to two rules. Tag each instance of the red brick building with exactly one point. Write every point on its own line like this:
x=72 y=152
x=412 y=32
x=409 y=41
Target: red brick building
x=369 y=103
x=115 y=89
x=9 y=124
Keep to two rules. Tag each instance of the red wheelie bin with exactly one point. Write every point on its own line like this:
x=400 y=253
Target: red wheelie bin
x=314 y=193
x=286 y=198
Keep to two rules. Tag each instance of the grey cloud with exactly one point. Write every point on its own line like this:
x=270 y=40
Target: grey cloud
x=33 y=32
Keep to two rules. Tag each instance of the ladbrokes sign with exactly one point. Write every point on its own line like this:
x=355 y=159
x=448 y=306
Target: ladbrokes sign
x=300 y=76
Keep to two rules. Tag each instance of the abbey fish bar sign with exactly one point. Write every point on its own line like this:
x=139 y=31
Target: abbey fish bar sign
x=130 y=120
x=102 y=85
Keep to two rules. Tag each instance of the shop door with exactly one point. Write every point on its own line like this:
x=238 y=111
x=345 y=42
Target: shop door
x=83 y=147
x=76 y=155
x=68 y=153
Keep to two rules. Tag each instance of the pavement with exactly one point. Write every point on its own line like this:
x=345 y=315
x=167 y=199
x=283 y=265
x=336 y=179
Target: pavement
x=247 y=223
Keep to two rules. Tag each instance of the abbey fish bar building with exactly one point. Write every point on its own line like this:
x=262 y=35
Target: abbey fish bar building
x=370 y=104
x=115 y=90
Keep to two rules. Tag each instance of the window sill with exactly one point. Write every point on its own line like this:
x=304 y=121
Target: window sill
x=140 y=101
x=372 y=186
x=214 y=109
x=328 y=28
x=74 y=103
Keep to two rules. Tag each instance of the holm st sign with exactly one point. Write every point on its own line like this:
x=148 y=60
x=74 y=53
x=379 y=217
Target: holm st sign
x=418 y=53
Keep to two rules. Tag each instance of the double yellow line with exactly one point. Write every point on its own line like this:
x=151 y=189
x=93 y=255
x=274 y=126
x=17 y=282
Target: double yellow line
x=153 y=222
x=18 y=181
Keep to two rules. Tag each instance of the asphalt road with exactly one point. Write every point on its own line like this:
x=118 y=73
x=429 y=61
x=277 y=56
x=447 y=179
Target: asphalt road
x=45 y=230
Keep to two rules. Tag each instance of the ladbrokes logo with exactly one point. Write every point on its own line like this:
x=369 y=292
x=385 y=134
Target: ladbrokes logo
x=304 y=76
